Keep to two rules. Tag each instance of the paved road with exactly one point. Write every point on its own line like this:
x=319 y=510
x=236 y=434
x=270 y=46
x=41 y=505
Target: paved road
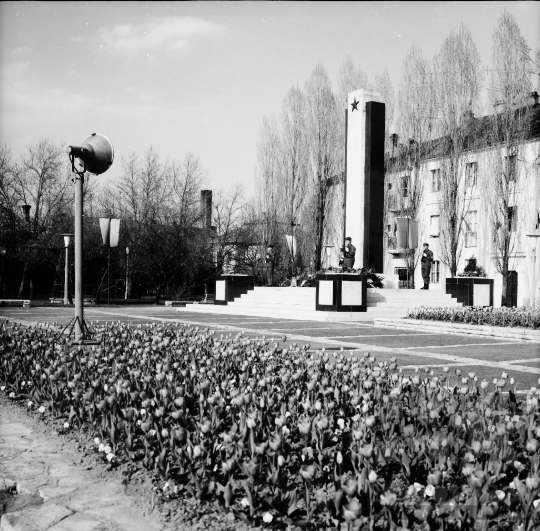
x=487 y=358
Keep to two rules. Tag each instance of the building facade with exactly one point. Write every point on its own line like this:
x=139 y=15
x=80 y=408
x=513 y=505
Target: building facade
x=494 y=184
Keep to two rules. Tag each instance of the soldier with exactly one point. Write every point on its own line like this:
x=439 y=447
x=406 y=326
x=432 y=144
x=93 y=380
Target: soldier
x=348 y=255
x=426 y=261
x=270 y=258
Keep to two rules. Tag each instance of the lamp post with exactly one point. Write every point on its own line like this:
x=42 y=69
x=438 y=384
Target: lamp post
x=127 y=273
x=110 y=228
x=3 y=253
x=95 y=155
x=67 y=241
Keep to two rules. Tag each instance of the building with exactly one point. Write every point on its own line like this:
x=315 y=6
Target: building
x=417 y=190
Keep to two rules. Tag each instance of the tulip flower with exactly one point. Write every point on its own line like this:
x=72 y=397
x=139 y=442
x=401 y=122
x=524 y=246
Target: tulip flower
x=352 y=510
x=531 y=446
x=308 y=472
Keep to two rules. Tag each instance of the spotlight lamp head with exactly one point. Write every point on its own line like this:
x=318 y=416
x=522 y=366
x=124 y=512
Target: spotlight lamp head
x=95 y=154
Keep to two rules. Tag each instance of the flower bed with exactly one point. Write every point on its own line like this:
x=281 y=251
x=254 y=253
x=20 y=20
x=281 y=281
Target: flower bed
x=288 y=437
x=480 y=316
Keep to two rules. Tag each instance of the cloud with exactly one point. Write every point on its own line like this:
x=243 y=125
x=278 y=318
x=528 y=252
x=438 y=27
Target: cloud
x=15 y=72
x=166 y=34
x=21 y=50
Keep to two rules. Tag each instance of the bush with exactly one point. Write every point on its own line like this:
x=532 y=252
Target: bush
x=480 y=316
x=287 y=436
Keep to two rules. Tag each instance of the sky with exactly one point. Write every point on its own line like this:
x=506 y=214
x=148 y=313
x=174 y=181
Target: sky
x=201 y=76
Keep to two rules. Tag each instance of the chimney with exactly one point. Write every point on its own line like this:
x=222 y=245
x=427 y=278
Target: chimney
x=206 y=208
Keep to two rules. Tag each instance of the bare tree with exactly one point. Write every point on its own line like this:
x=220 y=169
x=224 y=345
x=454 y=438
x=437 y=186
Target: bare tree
x=351 y=78
x=510 y=85
x=227 y=216
x=415 y=122
x=323 y=122
x=158 y=202
x=457 y=69
x=267 y=180
x=383 y=85
x=40 y=187
x=294 y=161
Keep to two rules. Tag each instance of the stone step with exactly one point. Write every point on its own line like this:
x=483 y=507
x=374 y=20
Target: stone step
x=256 y=305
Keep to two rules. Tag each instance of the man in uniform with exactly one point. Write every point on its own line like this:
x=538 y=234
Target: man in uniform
x=270 y=258
x=348 y=255
x=426 y=261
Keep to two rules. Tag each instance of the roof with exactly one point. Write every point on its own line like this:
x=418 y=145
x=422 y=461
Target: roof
x=477 y=133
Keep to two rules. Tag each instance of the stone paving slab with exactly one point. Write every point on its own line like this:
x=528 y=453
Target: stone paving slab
x=74 y=499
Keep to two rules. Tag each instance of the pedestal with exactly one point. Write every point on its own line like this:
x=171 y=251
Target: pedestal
x=471 y=291
x=229 y=287
x=341 y=292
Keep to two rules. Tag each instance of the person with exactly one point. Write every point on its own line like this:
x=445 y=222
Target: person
x=270 y=258
x=426 y=261
x=348 y=255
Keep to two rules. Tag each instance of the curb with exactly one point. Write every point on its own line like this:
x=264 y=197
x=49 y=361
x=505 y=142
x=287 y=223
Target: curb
x=519 y=334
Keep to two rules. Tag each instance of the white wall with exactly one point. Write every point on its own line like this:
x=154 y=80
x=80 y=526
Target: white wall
x=528 y=202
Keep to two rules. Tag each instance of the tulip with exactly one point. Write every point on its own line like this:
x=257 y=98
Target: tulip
x=372 y=477
x=477 y=479
x=351 y=487
x=244 y=502
x=352 y=510
x=424 y=511
x=388 y=499
x=267 y=518
x=308 y=472
x=532 y=446
x=434 y=478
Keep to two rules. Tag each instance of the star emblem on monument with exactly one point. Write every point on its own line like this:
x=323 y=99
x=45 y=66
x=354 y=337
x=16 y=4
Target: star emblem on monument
x=354 y=105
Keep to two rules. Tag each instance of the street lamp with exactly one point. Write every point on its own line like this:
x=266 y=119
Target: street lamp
x=127 y=273
x=3 y=252
x=94 y=155
x=67 y=241
x=110 y=230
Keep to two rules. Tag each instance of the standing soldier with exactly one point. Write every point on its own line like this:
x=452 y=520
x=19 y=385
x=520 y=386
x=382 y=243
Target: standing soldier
x=426 y=261
x=270 y=257
x=349 y=253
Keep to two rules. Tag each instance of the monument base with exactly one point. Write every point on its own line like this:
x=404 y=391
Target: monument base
x=340 y=292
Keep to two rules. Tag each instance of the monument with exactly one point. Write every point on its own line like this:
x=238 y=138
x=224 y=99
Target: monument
x=364 y=177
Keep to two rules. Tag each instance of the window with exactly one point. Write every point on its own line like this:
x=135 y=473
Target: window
x=510 y=167
x=512 y=219
x=435 y=272
x=471 y=172
x=434 y=226
x=470 y=228
x=436 y=180
x=389 y=186
x=405 y=186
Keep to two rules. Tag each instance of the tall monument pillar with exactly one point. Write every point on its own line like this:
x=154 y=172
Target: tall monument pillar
x=364 y=177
